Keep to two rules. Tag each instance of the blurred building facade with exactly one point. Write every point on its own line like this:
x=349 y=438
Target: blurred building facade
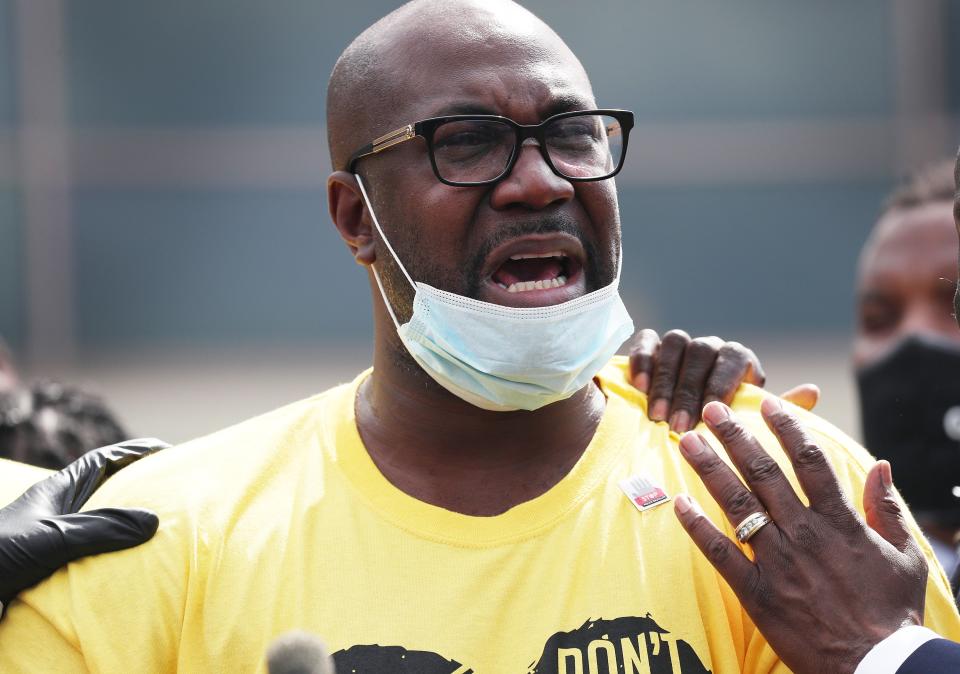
x=163 y=165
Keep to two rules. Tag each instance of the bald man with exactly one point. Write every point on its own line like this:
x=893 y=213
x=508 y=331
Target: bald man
x=490 y=497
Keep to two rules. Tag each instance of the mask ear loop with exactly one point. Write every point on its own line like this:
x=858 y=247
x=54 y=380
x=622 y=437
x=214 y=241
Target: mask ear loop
x=383 y=294
x=376 y=223
x=376 y=274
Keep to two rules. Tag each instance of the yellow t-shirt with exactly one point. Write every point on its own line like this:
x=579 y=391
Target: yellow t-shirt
x=16 y=478
x=283 y=522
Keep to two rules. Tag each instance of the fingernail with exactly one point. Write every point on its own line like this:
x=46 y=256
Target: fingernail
x=659 y=410
x=771 y=405
x=691 y=444
x=642 y=382
x=886 y=474
x=716 y=413
x=687 y=506
x=680 y=421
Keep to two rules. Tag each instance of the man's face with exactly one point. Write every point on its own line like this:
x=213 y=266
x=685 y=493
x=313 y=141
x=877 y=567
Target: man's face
x=462 y=239
x=907 y=281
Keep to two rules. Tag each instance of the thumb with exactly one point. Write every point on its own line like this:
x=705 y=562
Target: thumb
x=882 y=508
x=805 y=395
x=105 y=530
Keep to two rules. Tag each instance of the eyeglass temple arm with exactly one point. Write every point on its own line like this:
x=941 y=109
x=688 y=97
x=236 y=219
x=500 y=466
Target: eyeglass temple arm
x=387 y=140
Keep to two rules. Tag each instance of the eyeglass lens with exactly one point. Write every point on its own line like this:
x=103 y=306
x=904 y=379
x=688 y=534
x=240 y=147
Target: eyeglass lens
x=580 y=146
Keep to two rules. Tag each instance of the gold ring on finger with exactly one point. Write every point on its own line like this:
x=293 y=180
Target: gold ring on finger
x=749 y=527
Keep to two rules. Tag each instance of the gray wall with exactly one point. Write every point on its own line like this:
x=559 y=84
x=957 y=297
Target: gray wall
x=193 y=207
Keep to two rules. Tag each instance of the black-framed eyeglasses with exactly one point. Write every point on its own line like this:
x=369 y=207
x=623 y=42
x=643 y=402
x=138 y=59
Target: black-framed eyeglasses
x=471 y=150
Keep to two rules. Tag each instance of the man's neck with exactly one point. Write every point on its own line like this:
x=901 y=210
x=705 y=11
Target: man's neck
x=447 y=452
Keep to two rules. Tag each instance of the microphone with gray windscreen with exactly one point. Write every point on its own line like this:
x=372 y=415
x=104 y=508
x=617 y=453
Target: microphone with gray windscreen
x=298 y=653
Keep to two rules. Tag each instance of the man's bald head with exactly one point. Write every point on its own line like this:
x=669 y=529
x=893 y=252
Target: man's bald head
x=383 y=70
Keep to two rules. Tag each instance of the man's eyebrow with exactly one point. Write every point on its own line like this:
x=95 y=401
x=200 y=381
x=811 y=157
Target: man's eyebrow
x=557 y=104
x=567 y=103
x=464 y=108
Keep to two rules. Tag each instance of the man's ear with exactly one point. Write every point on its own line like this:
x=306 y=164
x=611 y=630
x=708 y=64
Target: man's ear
x=349 y=214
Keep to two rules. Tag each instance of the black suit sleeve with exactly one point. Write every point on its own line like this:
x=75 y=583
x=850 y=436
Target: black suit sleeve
x=937 y=656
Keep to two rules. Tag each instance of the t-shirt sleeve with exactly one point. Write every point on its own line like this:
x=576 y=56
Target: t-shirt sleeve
x=115 y=612
x=29 y=642
x=16 y=478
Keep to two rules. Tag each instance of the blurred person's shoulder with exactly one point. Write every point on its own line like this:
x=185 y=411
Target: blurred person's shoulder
x=215 y=472
x=16 y=478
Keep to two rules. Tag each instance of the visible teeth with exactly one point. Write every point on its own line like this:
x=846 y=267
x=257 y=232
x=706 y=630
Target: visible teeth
x=527 y=256
x=524 y=286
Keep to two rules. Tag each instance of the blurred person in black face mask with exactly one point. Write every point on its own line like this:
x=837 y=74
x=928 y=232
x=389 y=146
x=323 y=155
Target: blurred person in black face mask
x=907 y=351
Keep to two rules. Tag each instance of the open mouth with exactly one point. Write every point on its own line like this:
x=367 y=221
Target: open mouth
x=534 y=271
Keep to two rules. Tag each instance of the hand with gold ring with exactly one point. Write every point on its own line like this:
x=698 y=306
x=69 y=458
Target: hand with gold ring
x=812 y=589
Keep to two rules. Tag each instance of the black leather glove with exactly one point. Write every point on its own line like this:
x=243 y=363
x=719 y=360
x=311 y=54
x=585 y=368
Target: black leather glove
x=42 y=530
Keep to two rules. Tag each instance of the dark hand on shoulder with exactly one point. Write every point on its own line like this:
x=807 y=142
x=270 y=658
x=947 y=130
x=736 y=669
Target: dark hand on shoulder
x=42 y=530
x=681 y=374
x=825 y=586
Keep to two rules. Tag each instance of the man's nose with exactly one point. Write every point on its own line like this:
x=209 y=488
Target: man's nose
x=531 y=184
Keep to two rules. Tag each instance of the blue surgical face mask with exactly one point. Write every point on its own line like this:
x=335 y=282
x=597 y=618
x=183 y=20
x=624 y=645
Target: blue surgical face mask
x=509 y=358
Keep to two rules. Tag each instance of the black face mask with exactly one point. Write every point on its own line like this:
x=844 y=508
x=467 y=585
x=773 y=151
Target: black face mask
x=910 y=410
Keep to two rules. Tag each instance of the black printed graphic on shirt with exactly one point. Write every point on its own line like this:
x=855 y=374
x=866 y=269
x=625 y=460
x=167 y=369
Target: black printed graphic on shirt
x=375 y=659
x=627 y=645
